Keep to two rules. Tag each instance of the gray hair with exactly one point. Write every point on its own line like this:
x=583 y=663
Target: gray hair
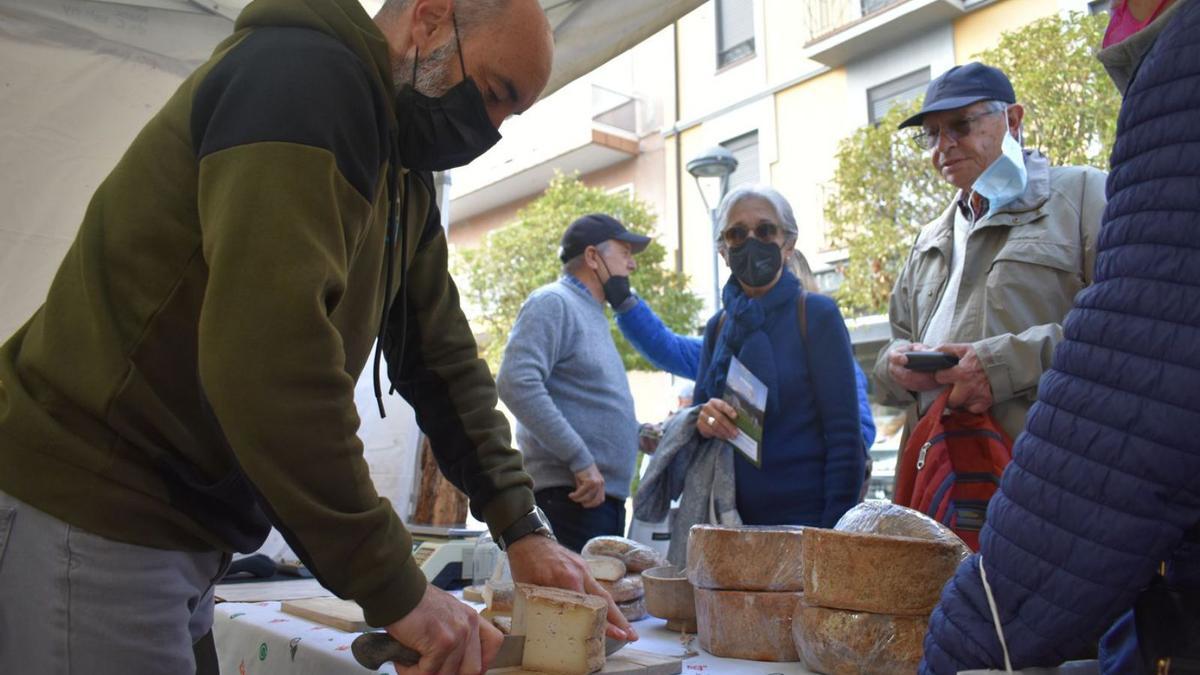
x=798 y=264
x=783 y=210
x=574 y=264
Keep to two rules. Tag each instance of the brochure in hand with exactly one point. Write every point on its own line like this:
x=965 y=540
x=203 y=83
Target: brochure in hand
x=748 y=395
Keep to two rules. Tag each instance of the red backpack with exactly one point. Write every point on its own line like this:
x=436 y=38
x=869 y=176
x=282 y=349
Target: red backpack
x=951 y=467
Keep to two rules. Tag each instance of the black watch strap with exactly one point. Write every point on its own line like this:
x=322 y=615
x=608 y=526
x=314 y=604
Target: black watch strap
x=534 y=522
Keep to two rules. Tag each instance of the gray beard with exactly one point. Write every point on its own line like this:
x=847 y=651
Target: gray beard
x=433 y=72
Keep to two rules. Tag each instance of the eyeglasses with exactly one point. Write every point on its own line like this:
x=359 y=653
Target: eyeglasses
x=736 y=236
x=927 y=139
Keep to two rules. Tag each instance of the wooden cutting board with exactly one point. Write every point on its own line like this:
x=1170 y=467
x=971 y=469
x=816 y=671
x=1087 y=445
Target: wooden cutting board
x=333 y=612
x=625 y=662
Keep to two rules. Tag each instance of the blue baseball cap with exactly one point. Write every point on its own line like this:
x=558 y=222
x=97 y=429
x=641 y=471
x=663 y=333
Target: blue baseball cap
x=594 y=229
x=961 y=86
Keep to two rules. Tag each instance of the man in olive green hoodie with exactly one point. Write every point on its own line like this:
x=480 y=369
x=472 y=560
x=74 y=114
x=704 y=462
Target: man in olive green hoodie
x=189 y=380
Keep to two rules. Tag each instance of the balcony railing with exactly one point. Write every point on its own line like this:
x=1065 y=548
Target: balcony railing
x=830 y=16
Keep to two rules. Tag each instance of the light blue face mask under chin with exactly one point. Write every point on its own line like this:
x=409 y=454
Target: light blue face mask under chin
x=1005 y=179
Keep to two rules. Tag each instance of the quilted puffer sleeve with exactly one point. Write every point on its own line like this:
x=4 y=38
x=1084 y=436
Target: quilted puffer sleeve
x=1106 y=481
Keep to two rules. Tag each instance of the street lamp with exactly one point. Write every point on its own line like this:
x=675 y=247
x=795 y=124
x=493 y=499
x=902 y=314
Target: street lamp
x=716 y=163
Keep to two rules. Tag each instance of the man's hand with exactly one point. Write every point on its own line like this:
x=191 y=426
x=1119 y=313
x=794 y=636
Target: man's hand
x=911 y=380
x=716 y=420
x=589 y=488
x=448 y=634
x=970 y=388
x=535 y=559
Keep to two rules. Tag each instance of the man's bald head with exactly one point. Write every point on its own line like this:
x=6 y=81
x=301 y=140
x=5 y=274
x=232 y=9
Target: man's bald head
x=507 y=46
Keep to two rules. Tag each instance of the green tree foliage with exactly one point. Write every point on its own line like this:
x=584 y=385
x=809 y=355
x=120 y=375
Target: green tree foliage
x=885 y=188
x=518 y=258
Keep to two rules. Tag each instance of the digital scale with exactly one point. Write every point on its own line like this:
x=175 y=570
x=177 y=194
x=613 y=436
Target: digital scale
x=446 y=555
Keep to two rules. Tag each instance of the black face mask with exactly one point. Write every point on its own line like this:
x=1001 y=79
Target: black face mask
x=616 y=289
x=755 y=263
x=444 y=132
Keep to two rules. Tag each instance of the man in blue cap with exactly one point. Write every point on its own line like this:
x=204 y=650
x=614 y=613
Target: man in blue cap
x=564 y=381
x=991 y=278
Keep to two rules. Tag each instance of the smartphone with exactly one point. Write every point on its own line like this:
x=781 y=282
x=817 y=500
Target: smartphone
x=927 y=362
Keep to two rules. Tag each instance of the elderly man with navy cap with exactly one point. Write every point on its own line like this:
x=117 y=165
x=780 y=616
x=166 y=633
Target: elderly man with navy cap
x=991 y=279
x=564 y=381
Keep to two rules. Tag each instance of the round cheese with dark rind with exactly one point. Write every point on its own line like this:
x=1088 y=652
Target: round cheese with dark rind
x=840 y=642
x=746 y=558
x=747 y=624
x=637 y=556
x=876 y=573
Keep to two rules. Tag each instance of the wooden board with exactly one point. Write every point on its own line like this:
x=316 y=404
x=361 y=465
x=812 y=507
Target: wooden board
x=625 y=662
x=333 y=612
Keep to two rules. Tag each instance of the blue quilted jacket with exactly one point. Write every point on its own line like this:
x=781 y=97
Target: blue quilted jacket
x=1105 y=483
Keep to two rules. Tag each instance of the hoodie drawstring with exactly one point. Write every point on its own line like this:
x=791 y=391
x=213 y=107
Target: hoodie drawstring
x=389 y=262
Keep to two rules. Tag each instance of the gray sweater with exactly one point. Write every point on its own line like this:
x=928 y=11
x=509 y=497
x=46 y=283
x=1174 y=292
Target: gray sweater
x=563 y=380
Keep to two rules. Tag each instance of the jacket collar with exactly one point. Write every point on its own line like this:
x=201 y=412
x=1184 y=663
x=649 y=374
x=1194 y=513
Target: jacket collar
x=1024 y=209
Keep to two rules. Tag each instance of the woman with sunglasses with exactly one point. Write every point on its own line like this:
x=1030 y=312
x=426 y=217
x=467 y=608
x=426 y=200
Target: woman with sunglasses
x=812 y=461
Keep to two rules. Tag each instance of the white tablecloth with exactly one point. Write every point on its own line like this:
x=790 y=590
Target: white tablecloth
x=258 y=639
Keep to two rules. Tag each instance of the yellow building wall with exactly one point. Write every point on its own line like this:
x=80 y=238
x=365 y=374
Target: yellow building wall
x=786 y=23
x=981 y=29
x=812 y=120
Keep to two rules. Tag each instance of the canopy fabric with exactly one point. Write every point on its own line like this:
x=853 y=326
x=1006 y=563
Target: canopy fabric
x=79 y=78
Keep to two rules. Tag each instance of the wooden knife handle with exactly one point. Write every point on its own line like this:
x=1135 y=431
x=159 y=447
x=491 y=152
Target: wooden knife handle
x=372 y=650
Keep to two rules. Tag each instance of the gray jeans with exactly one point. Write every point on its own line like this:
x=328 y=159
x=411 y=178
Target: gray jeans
x=72 y=602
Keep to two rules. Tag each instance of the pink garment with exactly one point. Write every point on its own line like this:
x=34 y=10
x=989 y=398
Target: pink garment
x=1123 y=24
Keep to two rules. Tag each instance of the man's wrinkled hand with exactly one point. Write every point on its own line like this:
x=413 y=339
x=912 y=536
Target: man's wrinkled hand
x=970 y=388
x=448 y=634
x=910 y=380
x=539 y=560
x=589 y=488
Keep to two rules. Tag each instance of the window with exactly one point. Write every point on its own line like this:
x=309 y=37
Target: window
x=1099 y=6
x=735 y=31
x=881 y=98
x=869 y=6
x=745 y=150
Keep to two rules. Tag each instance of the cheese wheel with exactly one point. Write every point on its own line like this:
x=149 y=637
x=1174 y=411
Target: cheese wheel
x=634 y=610
x=605 y=567
x=625 y=589
x=880 y=517
x=747 y=624
x=747 y=558
x=838 y=642
x=498 y=596
x=875 y=573
x=637 y=556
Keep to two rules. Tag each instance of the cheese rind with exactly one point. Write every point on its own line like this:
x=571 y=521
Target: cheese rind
x=840 y=642
x=876 y=573
x=564 y=630
x=634 y=610
x=746 y=558
x=747 y=624
x=637 y=556
x=625 y=589
x=605 y=568
x=880 y=517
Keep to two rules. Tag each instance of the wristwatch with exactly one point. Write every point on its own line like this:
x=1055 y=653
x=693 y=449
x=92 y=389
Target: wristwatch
x=534 y=522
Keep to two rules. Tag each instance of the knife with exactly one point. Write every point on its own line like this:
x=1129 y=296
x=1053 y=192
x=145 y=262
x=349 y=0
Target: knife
x=372 y=650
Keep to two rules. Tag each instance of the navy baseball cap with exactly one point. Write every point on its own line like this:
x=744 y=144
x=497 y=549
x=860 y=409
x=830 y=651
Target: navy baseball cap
x=596 y=228
x=960 y=87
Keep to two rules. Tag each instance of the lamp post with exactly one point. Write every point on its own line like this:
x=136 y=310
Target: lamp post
x=716 y=163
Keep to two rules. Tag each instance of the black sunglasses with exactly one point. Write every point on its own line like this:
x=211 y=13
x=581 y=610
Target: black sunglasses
x=736 y=236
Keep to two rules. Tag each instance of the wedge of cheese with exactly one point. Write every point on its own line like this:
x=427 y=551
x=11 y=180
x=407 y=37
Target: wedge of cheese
x=564 y=630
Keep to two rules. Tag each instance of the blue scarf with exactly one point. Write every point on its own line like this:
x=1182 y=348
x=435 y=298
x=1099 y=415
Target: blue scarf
x=743 y=334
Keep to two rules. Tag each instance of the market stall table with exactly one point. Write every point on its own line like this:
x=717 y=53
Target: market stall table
x=256 y=638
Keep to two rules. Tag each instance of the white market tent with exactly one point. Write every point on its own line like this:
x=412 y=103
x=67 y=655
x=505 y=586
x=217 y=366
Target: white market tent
x=78 y=79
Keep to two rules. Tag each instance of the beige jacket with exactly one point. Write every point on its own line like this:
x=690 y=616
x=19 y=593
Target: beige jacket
x=1024 y=265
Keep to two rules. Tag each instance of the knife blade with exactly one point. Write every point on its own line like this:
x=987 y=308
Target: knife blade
x=372 y=650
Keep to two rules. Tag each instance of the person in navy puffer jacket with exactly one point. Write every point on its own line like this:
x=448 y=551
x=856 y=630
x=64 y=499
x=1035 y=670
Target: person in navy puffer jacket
x=1105 y=483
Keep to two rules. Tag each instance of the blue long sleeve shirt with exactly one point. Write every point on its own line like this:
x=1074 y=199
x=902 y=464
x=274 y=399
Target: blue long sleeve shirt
x=680 y=356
